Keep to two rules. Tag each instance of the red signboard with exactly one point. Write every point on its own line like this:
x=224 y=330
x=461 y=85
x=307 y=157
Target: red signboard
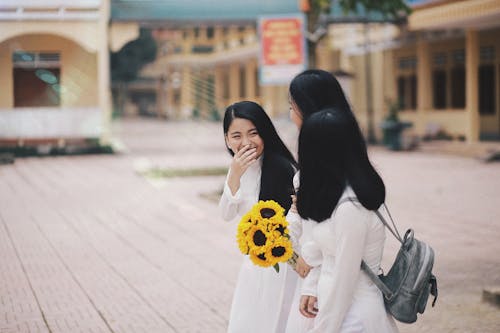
x=282 y=48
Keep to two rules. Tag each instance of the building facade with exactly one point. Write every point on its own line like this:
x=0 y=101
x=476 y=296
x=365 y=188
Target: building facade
x=207 y=57
x=200 y=70
x=442 y=68
x=54 y=72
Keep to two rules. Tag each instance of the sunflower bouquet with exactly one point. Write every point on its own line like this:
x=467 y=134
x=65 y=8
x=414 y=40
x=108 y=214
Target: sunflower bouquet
x=263 y=235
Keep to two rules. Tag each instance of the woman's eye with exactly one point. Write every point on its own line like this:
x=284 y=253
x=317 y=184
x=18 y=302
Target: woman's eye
x=235 y=137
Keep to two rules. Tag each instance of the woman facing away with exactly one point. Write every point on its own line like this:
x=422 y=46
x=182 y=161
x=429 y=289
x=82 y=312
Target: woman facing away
x=262 y=169
x=309 y=92
x=335 y=169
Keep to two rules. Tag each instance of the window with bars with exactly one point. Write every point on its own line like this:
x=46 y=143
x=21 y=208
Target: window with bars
x=407 y=83
x=439 y=81
x=25 y=59
x=448 y=80
x=487 y=81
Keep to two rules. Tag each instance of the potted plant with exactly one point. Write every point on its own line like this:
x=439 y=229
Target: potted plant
x=393 y=127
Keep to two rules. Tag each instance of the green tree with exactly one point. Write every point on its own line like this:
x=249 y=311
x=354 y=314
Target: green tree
x=128 y=61
x=317 y=10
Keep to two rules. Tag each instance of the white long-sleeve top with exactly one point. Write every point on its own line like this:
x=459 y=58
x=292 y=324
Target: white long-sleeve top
x=347 y=298
x=300 y=232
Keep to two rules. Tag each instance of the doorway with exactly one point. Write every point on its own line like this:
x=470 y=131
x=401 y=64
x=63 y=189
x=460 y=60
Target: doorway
x=35 y=87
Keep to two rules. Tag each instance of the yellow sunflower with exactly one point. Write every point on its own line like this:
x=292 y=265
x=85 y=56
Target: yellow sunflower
x=243 y=227
x=259 y=258
x=258 y=237
x=242 y=243
x=279 y=229
x=280 y=251
x=269 y=209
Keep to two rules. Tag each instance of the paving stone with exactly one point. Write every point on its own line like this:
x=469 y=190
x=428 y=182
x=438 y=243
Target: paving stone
x=89 y=245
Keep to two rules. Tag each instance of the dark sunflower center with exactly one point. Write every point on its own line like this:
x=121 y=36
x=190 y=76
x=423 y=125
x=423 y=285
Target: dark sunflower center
x=261 y=256
x=259 y=238
x=278 y=251
x=267 y=213
x=281 y=229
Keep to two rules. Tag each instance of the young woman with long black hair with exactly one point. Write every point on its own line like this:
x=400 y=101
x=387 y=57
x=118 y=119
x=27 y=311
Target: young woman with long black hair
x=262 y=169
x=338 y=195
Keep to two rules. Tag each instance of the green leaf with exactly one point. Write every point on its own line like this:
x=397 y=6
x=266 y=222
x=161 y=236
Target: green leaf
x=276 y=268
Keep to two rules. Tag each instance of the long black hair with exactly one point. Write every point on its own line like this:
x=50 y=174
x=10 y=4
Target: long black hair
x=314 y=89
x=278 y=164
x=332 y=155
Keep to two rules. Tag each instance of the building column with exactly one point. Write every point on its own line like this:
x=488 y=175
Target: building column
x=104 y=82
x=471 y=85
x=161 y=97
x=424 y=77
x=389 y=81
x=234 y=82
x=218 y=88
x=169 y=94
x=378 y=100
x=250 y=68
x=186 y=94
x=187 y=41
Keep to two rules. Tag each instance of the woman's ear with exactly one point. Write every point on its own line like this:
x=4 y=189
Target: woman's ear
x=227 y=143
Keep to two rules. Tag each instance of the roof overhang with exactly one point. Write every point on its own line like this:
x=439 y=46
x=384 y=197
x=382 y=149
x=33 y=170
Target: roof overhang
x=201 y=12
x=473 y=14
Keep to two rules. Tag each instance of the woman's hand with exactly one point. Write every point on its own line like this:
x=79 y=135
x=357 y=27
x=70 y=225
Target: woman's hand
x=308 y=306
x=302 y=268
x=242 y=159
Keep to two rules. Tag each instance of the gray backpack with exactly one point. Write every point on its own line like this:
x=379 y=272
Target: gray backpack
x=409 y=282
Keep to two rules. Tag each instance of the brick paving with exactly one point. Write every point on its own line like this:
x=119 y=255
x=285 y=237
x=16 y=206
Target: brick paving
x=88 y=245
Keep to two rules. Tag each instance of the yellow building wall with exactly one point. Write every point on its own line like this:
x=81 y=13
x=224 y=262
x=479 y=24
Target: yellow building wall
x=379 y=106
x=453 y=121
x=326 y=58
x=78 y=69
x=383 y=67
x=359 y=94
x=358 y=91
x=120 y=33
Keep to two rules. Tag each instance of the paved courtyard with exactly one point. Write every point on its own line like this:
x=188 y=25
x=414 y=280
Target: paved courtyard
x=89 y=245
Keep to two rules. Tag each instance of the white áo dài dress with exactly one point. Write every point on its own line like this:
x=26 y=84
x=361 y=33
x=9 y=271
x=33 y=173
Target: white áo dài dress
x=262 y=297
x=300 y=233
x=348 y=301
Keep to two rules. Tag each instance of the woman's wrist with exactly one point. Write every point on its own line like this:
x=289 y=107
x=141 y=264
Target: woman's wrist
x=293 y=260
x=233 y=186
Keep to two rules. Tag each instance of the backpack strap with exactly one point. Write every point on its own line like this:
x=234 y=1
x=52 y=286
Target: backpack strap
x=434 y=289
x=388 y=294
x=395 y=232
